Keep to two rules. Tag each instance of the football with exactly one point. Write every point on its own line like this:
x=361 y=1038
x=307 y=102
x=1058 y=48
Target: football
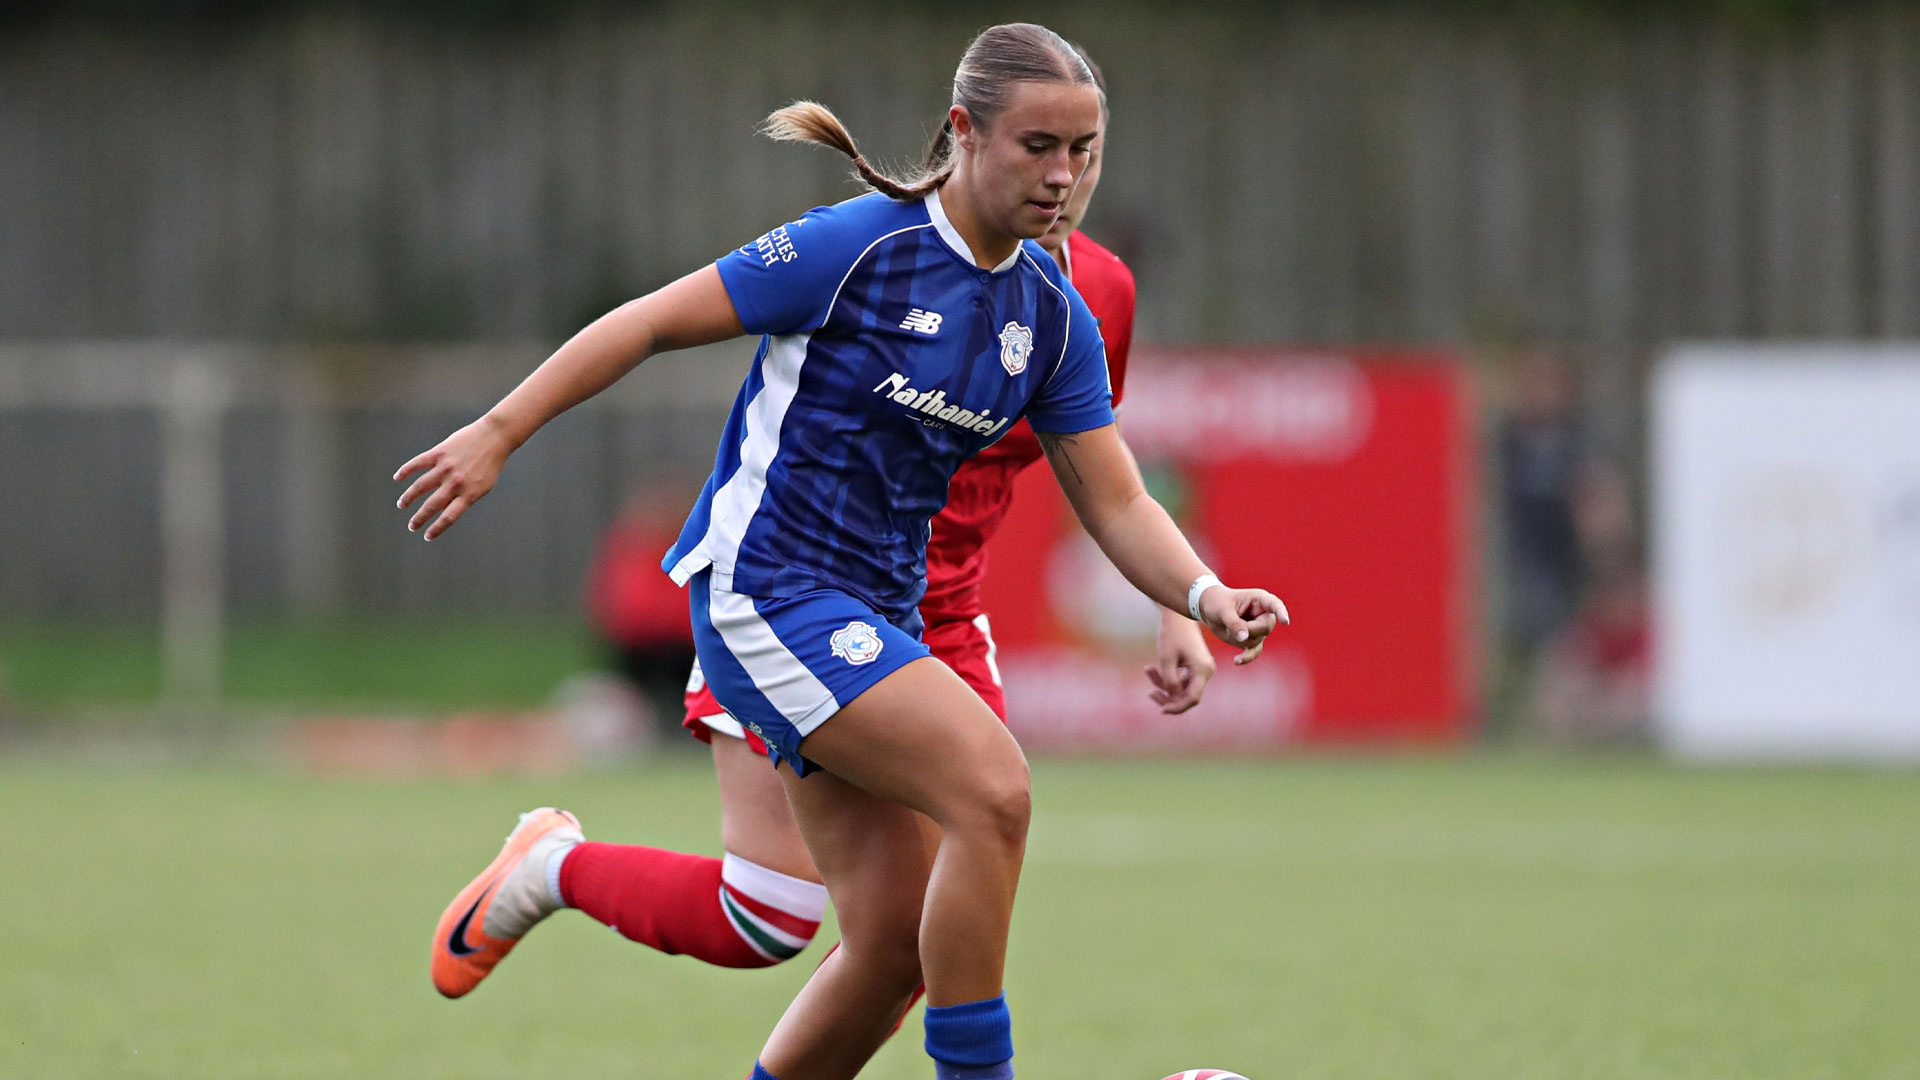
x=1205 y=1074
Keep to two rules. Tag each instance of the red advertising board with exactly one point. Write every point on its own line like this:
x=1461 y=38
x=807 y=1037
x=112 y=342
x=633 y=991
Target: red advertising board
x=1343 y=482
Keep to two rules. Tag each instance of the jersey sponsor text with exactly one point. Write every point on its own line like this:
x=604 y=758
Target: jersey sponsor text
x=937 y=409
x=775 y=247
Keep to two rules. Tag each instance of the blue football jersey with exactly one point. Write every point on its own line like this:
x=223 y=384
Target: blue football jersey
x=888 y=358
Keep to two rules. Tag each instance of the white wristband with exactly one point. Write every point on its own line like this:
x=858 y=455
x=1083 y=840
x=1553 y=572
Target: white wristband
x=1200 y=584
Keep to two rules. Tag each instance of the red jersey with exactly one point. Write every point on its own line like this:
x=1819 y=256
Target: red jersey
x=982 y=489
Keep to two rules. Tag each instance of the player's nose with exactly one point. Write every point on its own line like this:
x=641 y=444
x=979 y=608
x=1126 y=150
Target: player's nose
x=1061 y=173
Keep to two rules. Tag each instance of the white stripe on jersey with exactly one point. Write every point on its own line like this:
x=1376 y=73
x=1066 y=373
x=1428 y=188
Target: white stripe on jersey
x=739 y=498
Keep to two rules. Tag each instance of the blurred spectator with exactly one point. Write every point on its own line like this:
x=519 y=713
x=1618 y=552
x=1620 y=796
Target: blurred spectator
x=1542 y=449
x=1591 y=682
x=637 y=610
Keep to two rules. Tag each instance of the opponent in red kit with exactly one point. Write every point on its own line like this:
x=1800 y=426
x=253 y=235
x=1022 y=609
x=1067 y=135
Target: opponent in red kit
x=762 y=903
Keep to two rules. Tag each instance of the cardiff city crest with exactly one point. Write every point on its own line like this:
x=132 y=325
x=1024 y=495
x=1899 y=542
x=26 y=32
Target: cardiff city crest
x=1016 y=344
x=857 y=643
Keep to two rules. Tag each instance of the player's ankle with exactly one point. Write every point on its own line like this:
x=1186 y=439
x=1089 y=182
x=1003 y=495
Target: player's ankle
x=556 y=859
x=971 y=1041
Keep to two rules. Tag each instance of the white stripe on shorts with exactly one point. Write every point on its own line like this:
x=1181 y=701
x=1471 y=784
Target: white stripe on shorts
x=986 y=631
x=778 y=674
x=724 y=724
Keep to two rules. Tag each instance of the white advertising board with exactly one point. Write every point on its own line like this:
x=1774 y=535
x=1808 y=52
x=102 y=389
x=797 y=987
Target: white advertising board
x=1787 y=551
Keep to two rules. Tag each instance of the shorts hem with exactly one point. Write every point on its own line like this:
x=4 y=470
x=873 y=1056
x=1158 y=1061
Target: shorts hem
x=820 y=714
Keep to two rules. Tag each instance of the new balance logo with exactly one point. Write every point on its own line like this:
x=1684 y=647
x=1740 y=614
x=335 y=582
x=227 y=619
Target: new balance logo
x=926 y=322
x=937 y=410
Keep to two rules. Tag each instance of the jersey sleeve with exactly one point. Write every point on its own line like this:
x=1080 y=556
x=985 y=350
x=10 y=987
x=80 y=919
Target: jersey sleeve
x=1077 y=396
x=785 y=282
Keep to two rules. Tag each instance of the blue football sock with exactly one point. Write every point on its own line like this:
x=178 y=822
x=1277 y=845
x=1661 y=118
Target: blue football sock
x=972 y=1041
x=760 y=1073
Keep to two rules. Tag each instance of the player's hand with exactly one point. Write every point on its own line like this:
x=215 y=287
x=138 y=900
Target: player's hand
x=458 y=473
x=1183 y=667
x=1242 y=617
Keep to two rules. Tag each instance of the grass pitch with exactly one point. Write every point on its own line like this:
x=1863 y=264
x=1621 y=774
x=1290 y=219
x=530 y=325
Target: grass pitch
x=382 y=665
x=1305 y=919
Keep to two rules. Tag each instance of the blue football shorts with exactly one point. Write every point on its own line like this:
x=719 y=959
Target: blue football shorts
x=783 y=665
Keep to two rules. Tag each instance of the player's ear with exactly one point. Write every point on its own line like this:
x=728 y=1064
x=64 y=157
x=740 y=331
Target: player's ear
x=962 y=123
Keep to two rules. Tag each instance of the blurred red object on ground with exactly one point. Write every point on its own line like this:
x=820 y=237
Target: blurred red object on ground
x=529 y=744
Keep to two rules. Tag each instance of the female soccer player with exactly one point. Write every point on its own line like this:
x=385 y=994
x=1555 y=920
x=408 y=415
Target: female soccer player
x=902 y=332
x=762 y=903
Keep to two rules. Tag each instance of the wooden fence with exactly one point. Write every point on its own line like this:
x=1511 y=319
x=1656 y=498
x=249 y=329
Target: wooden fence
x=1275 y=175
x=307 y=190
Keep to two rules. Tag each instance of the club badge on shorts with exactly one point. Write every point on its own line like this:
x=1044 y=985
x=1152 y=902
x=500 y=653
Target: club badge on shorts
x=1016 y=344
x=857 y=643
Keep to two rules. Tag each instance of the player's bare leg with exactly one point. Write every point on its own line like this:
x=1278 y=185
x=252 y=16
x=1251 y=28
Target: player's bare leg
x=755 y=820
x=920 y=739
x=876 y=865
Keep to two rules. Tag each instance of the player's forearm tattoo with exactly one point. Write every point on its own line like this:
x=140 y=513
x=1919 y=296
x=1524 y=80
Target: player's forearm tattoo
x=1060 y=445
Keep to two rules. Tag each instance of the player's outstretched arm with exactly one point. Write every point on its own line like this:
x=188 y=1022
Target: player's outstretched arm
x=1099 y=478
x=454 y=475
x=1182 y=664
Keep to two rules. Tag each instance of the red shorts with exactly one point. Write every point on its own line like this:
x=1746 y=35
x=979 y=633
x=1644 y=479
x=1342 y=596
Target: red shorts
x=965 y=645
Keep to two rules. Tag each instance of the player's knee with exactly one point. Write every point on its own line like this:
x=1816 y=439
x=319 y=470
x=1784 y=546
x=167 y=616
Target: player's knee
x=1012 y=806
x=882 y=921
x=887 y=957
x=1004 y=802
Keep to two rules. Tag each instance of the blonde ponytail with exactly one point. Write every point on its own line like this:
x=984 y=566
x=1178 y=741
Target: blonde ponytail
x=810 y=121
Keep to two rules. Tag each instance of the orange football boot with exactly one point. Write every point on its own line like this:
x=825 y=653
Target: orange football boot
x=490 y=916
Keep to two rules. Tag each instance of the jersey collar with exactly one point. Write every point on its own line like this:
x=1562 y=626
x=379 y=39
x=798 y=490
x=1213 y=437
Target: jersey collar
x=952 y=236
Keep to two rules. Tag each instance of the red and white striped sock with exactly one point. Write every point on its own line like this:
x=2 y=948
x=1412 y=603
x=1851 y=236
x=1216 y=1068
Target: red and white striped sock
x=730 y=913
x=776 y=914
